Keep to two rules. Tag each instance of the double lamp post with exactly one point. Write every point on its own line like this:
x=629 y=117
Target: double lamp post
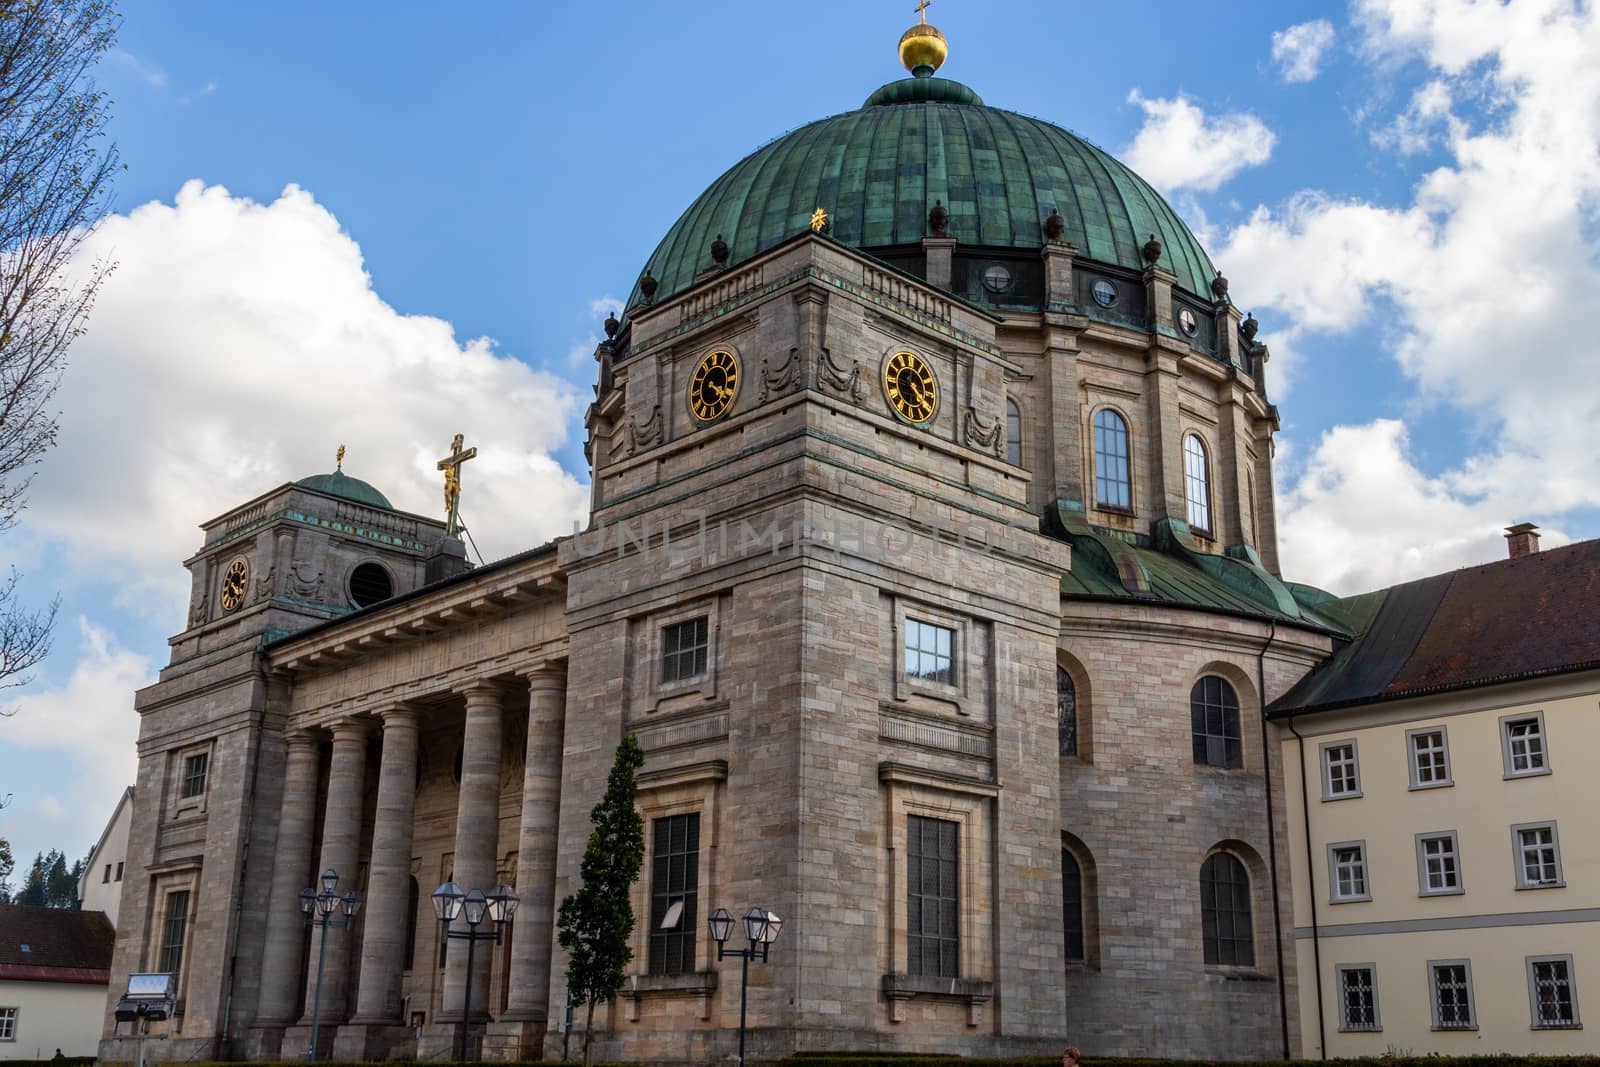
x=325 y=909
x=761 y=928
x=499 y=905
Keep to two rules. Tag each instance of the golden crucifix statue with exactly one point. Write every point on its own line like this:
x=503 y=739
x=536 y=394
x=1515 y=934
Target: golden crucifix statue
x=338 y=459
x=922 y=9
x=451 y=465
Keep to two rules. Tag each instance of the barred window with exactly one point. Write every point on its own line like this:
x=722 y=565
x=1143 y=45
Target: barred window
x=933 y=917
x=1348 y=874
x=1430 y=759
x=194 y=776
x=1452 y=996
x=1439 y=869
x=930 y=652
x=1197 y=482
x=1072 y=905
x=1113 y=484
x=1066 y=713
x=1555 y=1003
x=1225 y=920
x=674 y=893
x=1013 y=434
x=174 y=927
x=8 y=1024
x=1214 y=717
x=1358 y=998
x=683 y=650
x=1538 y=856
x=1339 y=773
x=1523 y=742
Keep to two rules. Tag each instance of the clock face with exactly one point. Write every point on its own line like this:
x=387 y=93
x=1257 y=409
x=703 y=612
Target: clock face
x=912 y=390
x=235 y=582
x=713 y=386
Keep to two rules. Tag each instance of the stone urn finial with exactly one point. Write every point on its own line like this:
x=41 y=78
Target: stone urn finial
x=939 y=219
x=1219 y=287
x=1152 y=251
x=719 y=251
x=1055 y=226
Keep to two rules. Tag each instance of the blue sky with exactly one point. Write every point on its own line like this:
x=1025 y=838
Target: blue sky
x=378 y=226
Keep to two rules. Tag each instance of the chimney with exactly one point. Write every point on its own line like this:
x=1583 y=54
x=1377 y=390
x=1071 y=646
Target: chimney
x=1522 y=539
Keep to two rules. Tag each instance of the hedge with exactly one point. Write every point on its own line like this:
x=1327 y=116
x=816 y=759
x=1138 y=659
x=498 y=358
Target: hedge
x=912 y=1059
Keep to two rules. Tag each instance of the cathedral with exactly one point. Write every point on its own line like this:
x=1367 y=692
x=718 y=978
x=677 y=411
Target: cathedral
x=931 y=560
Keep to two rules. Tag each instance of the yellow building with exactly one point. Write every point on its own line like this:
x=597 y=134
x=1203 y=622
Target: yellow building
x=1441 y=778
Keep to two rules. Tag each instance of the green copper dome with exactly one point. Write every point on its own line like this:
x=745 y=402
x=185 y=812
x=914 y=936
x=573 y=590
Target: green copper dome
x=879 y=170
x=341 y=485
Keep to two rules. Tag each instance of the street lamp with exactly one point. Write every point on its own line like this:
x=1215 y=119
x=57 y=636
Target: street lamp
x=761 y=928
x=450 y=904
x=319 y=909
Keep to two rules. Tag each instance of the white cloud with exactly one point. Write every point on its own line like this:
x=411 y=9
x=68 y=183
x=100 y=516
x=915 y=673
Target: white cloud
x=1298 y=50
x=1483 y=287
x=89 y=718
x=234 y=348
x=150 y=74
x=1181 y=147
x=1419 y=125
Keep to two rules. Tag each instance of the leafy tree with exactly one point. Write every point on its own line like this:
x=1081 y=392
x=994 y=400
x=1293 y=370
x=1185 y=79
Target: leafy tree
x=596 y=921
x=55 y=185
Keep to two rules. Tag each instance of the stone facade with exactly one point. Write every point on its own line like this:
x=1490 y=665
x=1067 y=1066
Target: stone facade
x=463 y=729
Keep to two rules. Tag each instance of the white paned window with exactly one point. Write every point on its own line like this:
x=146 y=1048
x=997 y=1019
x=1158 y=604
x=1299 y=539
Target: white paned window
x=1538 y=855
x=1340 y=776
x=1347 y=873
x=8 y=1024
x=930 y=652
x=1523 y=742
x=1551 y=995
x=1197 y=482
x=1430 y=758
x=1452 y=995
x=1438 y=865
x=1358 y=997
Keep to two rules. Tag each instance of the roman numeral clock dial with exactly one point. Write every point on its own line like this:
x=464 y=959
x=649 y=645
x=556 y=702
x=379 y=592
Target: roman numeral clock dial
x=912 y=389
x=235 y=583
x=713 y=386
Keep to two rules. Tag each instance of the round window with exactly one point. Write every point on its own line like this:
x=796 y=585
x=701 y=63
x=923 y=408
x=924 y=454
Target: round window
x=997 y=279
x=370 y=583
x=1187 y=322
x=1105 y=294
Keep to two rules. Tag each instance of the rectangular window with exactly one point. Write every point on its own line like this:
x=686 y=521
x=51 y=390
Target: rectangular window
x=1538 y=854
x=1347 y=871
x=1551 y=995
x=683 y=650
x=8 y=1024
x=106 y=878
x=173 y=928
x=1522 y=745
x=933 y=918
x=930 y=652
x=119 y=870
x=1452 y=995
x=1438 y=865
x=674 y=892
x=1430 y=758
x=194 y=776
x=1340 y=777
x=1358 y=997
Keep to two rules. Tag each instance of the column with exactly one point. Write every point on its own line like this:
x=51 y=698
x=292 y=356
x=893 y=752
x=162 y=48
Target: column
x=341 y=844
x=477 y=837
x=383 y=934
x=291 y=872
x=536 y=849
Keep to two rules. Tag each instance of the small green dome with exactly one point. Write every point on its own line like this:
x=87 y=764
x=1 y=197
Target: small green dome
x=879 y=170
x=341 y=485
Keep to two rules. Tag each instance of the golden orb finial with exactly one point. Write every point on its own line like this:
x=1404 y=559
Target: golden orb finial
x=923 y=48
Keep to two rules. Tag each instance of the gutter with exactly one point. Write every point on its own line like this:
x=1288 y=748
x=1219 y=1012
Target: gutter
x=1311 y=891
x=1272 y=838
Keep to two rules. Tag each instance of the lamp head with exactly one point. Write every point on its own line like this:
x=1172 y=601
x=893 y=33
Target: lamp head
x=327 y=900
x=349 y=904
x=503 y=902
x=774 y=927
x=330 y=880
x=721 y=924
x=475 y=906
x=308 y=902
x=755 y=924
x=447 y=902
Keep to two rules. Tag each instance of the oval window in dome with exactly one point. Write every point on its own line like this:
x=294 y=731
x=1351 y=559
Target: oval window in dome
x=1105 y=294
x=1187 y=322
x=997 y=279
x=370 y=583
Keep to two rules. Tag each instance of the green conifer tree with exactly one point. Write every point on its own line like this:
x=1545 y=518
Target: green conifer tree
x=597 y=920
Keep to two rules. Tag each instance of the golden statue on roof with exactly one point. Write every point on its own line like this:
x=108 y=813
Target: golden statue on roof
x=451 y=465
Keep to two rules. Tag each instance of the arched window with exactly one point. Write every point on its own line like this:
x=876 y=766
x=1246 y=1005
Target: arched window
x=413 y=901
x=1072 y=905
x=1013 y=434
x=1214 y=717
x=1225 y=911
x=1197 y=482
x=1112 y=481
x=1066 y=712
